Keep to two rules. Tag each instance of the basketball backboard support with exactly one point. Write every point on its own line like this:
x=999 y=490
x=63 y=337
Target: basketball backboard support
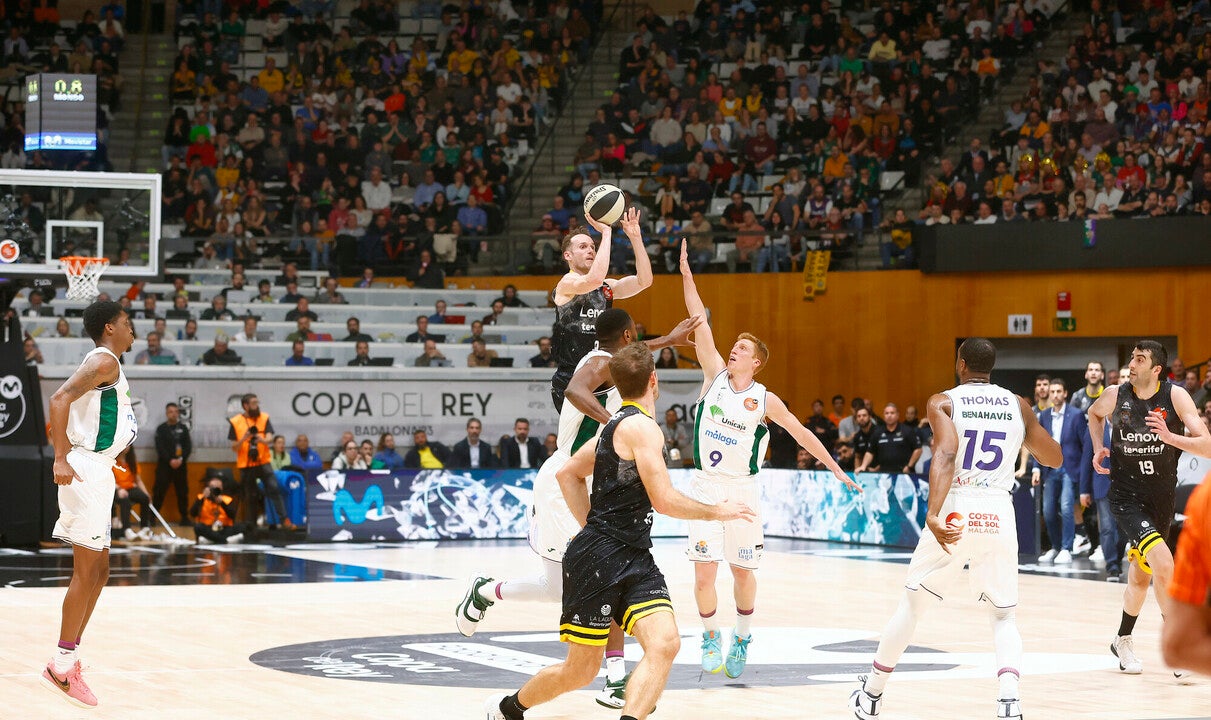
x=46 y=214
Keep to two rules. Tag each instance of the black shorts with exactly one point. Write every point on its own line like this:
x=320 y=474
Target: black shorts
x=604 y=580
x=1144 y=519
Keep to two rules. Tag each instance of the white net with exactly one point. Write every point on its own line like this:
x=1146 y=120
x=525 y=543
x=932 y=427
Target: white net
x=83 y=274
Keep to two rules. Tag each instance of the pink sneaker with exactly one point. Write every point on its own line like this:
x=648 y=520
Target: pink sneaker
x=72 y=687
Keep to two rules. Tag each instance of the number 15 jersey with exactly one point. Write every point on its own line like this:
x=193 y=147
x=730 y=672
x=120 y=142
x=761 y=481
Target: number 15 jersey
x=988 y=420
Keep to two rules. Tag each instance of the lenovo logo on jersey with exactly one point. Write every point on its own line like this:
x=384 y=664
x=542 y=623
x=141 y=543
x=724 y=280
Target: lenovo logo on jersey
x=1139 y=437
x=984 y=400
x=589 y=312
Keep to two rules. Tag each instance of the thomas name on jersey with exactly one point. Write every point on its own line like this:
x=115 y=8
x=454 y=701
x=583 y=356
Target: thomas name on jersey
x=983 y=414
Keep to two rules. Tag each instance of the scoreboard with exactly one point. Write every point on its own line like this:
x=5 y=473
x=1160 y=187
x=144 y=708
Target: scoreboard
x=60 y=112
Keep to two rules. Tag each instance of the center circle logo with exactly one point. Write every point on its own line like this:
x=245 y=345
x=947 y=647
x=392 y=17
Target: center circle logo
x=778 y=657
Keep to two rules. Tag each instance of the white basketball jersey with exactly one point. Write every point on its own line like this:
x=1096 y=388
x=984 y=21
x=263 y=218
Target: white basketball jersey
x=576 y=428
x=988 y=419
x=730 y=435
x=101 y=420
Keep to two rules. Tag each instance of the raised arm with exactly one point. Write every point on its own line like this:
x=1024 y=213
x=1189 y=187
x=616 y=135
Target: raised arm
x=573 y=284
x=100 y=369
x=680 y=335
x=584 y=383
x=632 y=285
x=777 y=411
x=708 y=355
x=571 y=480
x=638 y=437
x=1098 y=412
x=1198 y=442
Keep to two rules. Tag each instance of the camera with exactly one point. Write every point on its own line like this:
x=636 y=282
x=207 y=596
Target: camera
x=254 y=447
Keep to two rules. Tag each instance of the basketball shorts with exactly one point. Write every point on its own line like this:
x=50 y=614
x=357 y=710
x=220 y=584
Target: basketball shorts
x=1144 y=519
x=737 y=542
x=989 y=544
x=603 y=580
x=552 y=525
x=86 y=505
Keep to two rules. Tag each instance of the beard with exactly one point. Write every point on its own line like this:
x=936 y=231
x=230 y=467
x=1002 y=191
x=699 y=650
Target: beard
x=254 y=414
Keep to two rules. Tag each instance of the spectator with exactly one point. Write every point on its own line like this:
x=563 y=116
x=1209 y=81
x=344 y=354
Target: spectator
x=422 y=332
x=189 y=331
x=470 y=452
x=361 y=356
x=220 y=354
x=667 y=359
x=302 y=331
x=302 y=308
x=386 y=454
x=353 y=326
x=480 y=355
x=131 y=491
x=297 y=358
x=214 y=515
x=350 y=458
x=304 y=457
x=544 y=358
x=823 y=428
x=1061 y=485
x=431 y=356
x=174 y=445
x=439 y=313
x=894 y=448
x=676 y=440
x=329 y=294
x=247 y=433
x=278 y=457
x=218 y=309
x=249 y=333
x=848 y=427
x=427 y=274
x=424 y=454
x=520 y=450
x=156 y=353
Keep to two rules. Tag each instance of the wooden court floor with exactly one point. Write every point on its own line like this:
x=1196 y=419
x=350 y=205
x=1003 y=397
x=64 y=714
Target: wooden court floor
x=198 y=648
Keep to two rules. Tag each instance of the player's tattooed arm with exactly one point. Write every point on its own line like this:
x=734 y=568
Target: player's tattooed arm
x=942 y=469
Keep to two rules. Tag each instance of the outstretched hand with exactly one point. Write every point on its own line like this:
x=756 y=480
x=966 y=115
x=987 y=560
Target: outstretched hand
x=847 y=481
x=685 y=257
x=680 y=336
x=596 y=225
x=630 y=224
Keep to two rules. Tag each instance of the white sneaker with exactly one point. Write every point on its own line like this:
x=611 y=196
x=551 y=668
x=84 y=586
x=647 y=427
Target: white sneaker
x=864 y=705
x=145 y=533
x=131 y=535
x=1123 y=648
x=1080 y=545
x=1184 y=677
x=1064 y=558
x=473 y=606
x=235 y=539
x=1096 y=556
x=1009 y=709
x=492 y=707
x=1048 y=557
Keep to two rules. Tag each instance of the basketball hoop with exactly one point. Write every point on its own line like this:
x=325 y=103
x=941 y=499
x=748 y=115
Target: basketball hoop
x=83 y=274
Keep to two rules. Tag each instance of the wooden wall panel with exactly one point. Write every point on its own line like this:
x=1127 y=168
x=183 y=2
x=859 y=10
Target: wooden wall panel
x=890 y=335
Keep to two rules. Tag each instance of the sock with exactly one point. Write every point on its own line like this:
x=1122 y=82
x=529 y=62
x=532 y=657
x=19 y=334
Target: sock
x=710 y=622
x=512 y=708
x=744 y=619
x=896 y=636
x=64 y=657
x=1127 y=625
x=1008 y=643
x=616 y=668
x=1008 y=680
x=877 y=680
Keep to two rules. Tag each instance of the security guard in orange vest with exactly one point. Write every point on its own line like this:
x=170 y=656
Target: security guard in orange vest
x=250 y=435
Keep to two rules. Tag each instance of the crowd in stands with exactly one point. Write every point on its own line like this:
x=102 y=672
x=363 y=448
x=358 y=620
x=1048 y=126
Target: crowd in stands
x=793 y=113
x=367 y=141
x=37 y=39
x=1117 y=129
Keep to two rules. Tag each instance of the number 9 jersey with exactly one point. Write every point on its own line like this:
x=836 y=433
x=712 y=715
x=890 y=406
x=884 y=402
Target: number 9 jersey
x=988 y=420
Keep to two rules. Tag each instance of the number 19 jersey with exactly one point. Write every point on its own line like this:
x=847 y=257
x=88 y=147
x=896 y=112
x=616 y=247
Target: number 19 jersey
x=988 y=420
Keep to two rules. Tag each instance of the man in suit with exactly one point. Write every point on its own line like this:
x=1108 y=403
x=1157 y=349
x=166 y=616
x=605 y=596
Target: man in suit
x=1096 y=490
x=521 y=450
x=470 y=452
x=425 y=455
x=1071 y=430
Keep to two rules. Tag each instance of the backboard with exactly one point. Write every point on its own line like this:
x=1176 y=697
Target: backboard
x=46 y=214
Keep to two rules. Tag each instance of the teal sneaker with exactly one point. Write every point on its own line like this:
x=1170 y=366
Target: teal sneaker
x=473 y=606
x=712 y=652
x=737 y=656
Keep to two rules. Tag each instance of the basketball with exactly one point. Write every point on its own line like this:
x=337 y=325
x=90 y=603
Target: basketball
x=605 y=203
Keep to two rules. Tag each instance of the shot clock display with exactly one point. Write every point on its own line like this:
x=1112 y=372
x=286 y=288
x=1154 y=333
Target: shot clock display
x=60 y=112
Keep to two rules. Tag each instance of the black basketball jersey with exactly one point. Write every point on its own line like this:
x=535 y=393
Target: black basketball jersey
x=1139 y=461
x=619 y=505
x=574 y=333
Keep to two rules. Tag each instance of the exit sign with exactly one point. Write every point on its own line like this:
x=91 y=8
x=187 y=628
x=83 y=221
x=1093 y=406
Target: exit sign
x=1064 y=324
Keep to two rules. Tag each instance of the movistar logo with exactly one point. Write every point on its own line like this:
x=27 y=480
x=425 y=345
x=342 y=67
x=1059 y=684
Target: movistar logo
x=355 y=512
x=717 y=416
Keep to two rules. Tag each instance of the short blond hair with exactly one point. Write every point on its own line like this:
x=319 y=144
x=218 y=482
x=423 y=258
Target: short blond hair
x=760 y=350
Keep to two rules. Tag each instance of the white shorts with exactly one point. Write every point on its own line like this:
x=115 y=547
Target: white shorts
x=552 y=525
x=86 y=505
x=738 y=542
x=989 y=543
